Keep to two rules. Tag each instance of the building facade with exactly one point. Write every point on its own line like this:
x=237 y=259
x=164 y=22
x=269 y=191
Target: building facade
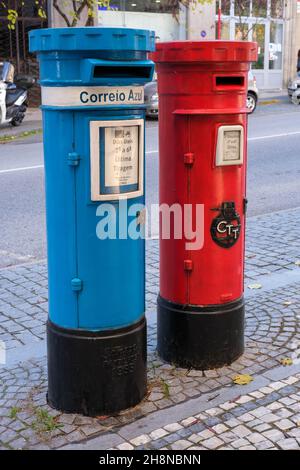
x=168 y=18
x=273 y=24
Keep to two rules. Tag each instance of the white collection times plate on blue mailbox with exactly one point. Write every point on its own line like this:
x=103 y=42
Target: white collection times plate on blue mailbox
x=117 y=152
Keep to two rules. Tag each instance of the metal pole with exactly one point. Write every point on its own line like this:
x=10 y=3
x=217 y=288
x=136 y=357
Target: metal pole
x=219 y=19
x=123 y=6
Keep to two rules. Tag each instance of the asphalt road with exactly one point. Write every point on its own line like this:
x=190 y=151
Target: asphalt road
x=273 y=178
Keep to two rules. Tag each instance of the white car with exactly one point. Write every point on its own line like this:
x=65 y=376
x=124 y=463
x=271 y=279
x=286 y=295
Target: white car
x=252 y=95
x=151 y=96
x=293 y=86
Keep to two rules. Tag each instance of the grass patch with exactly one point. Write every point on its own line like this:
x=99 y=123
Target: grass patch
x=14 y=412
x=10 y=137
x=265 y=102
x=165 y=388
x=44 y=422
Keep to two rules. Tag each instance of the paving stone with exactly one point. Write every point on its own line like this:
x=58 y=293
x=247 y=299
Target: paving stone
x=288 y=444
x=232 y=423
x=240 y=443
x=212 y=443
x=173 y=427
x=269 y=418
x=181 y=445
x=170 y=438
x=158 y=434
x=125 y=446
x=246 y=417
x=261 y=427
x=219 y=428
x=143 y=439
x=294 y=432
x=188 y=421
x=260 y=412
x=206 y=434
x=264 y=445
x=274 y=435
x=229 y=437
x=284 y=413
x=284 y=424
x=255 y=438
x=75 y=436
x=66 y=418
x=241 y=431
x=244 y=399
x=195 y=438
x=57 y=442
x=214 y=411
x=274 y=406
x=291 y=380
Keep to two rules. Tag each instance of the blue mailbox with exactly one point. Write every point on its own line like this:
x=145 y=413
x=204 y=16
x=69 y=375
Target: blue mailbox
x=93 y=118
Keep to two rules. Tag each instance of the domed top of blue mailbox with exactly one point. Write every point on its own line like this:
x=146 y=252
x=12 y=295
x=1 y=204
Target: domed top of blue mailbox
x=72 y=56
x=91 y=38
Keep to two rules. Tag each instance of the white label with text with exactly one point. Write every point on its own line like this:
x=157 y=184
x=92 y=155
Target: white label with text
x=92 y=96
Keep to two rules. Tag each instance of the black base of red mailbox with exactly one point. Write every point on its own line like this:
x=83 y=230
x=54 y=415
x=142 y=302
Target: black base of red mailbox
x=96 y=372
x=200 y=337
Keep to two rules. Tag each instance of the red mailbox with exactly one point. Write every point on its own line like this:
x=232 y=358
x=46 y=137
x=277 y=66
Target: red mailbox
x=202 y=89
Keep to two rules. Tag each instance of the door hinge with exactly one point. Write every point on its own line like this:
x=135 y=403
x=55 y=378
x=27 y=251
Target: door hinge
x=76 y=284
x=188 y=265
x=245 y=202
x=189 y=158
x=73 y=159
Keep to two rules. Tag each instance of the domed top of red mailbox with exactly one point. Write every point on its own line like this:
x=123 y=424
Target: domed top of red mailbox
x=205 y=51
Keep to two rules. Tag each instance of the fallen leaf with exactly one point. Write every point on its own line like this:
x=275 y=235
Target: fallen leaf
x=102 y=417
x=250 y=256
x=287 y=303
x=286 y=361
x=254 y=286
x=242 y=379
x=297 y=263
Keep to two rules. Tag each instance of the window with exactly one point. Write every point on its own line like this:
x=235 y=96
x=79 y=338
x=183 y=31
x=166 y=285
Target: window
x=148 y=6
x=258 y=35
x=259 y=8
x=225 y=7
x=225 y=30
x=275 y=46
x=276 y=8
x=242 y=8
x=241 y=31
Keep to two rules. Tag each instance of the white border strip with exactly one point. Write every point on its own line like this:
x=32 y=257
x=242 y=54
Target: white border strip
x=92 y=96
x=95 y=159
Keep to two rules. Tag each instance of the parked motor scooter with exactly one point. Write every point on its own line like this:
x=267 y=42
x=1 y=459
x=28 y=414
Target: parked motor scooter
x=13 y=94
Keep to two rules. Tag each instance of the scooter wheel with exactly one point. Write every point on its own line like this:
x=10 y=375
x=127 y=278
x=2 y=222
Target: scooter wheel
x=17 y=121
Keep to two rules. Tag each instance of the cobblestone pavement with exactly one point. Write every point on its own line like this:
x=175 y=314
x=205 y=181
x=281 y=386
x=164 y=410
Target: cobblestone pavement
x=272 y=334
x=268 y=418
x=272 y=244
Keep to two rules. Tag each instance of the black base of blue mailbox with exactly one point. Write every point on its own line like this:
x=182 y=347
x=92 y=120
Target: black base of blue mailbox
x=96 y=372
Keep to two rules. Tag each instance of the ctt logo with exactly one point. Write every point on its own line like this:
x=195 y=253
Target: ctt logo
x=226 y=227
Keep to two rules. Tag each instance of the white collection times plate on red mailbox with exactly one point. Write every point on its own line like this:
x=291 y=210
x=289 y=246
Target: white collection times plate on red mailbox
x=230 y=145
x=116 y=157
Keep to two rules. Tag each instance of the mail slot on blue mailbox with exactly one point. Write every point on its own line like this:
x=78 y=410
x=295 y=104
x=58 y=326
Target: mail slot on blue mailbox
x=93 y=117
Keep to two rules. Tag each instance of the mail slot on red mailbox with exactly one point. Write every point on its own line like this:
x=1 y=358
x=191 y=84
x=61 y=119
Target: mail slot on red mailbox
x=202 y=89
